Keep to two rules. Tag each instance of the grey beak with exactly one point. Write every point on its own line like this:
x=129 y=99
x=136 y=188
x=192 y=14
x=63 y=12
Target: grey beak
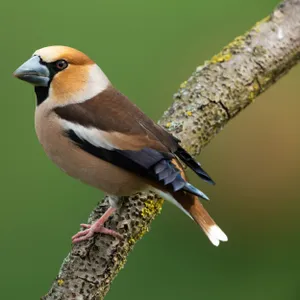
x=33 y=72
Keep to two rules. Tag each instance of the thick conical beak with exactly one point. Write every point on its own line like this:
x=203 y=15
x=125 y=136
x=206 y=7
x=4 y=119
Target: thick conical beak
x=33 y=72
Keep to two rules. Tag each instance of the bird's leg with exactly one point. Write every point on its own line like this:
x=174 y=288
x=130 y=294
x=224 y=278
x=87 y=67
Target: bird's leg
x=98 y=226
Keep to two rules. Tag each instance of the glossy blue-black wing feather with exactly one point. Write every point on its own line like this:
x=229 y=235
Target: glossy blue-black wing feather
x=193 y=164
x=148 y=163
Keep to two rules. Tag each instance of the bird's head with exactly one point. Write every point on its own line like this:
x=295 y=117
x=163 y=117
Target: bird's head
x=62 y=75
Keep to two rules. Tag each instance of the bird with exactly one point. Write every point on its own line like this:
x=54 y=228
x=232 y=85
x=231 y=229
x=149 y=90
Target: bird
x=95 y=134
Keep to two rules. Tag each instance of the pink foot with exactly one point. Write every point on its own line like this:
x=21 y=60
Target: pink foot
x=91 y=229
x=96 y=227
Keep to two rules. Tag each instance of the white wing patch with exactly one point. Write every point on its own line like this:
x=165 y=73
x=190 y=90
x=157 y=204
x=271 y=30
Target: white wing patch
x=92 y=135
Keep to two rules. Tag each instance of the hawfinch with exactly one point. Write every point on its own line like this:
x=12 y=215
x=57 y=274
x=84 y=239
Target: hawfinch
x=95 y=134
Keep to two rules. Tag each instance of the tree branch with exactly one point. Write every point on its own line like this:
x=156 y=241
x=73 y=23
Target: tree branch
x=214 y=94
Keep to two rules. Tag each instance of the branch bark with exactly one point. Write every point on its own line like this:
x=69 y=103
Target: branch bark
x=214 y=94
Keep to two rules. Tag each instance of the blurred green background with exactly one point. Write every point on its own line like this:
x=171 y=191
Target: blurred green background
x=147 y=48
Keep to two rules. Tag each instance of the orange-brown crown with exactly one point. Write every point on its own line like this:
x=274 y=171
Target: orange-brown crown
x=71 y=55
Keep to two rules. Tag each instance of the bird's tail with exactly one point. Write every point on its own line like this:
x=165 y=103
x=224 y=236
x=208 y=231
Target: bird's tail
x=191 y=205
x=195 y=209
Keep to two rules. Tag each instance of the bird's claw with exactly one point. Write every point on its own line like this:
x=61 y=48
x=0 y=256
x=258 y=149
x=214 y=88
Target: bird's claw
x=90 y=230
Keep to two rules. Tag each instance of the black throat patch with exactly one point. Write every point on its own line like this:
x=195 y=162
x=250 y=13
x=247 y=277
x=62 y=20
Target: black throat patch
x=42 y=93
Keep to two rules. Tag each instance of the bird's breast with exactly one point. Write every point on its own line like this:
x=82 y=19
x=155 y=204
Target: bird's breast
x=80 y=164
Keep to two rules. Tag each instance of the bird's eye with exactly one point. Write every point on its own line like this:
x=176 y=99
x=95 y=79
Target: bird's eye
x=61 y=64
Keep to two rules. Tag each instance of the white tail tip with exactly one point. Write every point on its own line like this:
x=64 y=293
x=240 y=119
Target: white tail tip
x=215 y=234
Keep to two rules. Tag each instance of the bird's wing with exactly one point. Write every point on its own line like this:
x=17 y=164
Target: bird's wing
x=120 y=120
x=110 y=127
